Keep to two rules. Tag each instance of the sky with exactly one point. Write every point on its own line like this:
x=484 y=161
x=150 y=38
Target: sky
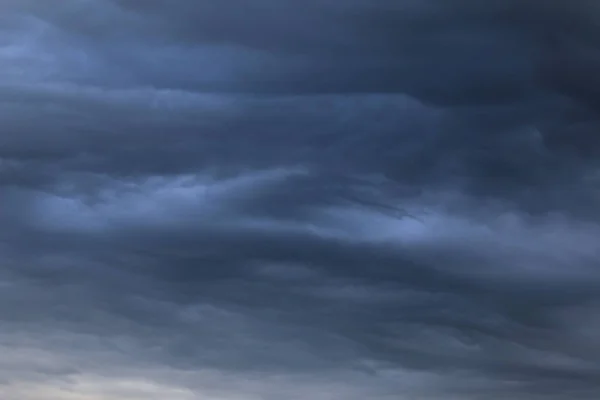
x=317 y=199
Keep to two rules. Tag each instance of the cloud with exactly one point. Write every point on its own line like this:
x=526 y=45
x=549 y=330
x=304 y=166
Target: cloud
x=358 y=200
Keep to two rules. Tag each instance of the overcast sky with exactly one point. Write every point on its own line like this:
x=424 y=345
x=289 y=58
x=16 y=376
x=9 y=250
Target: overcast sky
x=316 y=199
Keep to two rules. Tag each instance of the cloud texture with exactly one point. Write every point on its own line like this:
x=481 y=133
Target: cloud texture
x=301 y=200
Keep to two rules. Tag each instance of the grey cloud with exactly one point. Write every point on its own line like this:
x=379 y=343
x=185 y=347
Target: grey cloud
x=317 y=47
x=361 y=200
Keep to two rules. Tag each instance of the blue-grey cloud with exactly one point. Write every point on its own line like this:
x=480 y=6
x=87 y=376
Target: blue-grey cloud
x=315 y=200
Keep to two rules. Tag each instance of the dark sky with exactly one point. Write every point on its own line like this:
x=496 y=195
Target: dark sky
x=317 y=199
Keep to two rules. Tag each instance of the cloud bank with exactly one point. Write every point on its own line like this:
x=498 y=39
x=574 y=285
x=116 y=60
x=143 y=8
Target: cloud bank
x=324 y=200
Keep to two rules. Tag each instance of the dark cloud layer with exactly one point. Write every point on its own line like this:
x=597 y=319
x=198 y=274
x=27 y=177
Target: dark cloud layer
x=360 y=199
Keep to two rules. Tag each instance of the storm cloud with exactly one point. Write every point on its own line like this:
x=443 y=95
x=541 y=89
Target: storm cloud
x=319 y=199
